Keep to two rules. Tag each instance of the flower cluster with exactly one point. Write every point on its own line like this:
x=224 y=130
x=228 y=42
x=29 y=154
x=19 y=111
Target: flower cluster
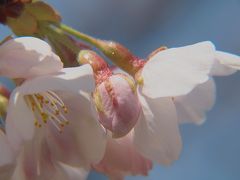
x=72 y=112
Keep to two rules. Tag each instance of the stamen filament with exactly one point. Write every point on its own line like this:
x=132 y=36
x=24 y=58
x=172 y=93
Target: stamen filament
x=48 y=106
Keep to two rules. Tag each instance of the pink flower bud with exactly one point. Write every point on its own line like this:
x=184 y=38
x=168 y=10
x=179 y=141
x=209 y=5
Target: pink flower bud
x=120 y=56
x=117 y=104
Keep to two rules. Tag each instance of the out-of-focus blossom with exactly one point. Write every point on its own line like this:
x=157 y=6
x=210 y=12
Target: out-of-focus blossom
x=49 y=113
x=122 y=158
x=115 y=96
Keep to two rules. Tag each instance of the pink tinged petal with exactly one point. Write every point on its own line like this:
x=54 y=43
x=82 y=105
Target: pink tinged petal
x=191 y=108
x=49 y=168
x=7 y=154
x=120 y=107
x=27 y=57
x=226 y=64
x=177 y=71
x=156 y=135
x=83 y=141
x=25 y=168
x=35 y=161
x=19 y=120
x=121 y=159
x=73 y=80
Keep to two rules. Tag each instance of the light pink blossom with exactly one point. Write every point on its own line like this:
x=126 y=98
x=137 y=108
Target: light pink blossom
x=175 y=86
x=49 y=113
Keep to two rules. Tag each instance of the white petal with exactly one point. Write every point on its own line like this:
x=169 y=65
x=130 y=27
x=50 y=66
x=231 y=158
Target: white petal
x=27 y=57
x=177 y=71
x=230 y=61
x=193 y=106
x=219 y=69
x=69 y=79
x=156 y=134
x=6 y=152
x=19 y=120
x=83 y=139
x=71 y=173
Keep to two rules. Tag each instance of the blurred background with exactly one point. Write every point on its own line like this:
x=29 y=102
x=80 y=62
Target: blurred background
x=211 y=151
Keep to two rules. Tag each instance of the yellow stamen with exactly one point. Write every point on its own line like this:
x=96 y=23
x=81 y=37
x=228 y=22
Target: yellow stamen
x=46 y=107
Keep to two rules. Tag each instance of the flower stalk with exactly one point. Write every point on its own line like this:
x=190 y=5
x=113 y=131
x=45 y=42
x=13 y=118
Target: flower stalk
x=116 y=52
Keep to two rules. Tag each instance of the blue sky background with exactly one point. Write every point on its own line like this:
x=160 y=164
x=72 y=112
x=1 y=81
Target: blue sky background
x=211 y=151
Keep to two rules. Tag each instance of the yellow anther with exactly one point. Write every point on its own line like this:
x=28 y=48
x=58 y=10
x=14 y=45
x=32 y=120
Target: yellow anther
x=57 y=112
x=39 y=96
x=48 y=107
x=65 y=110
x=140 y=80
x=36 y=123
x=44 y=116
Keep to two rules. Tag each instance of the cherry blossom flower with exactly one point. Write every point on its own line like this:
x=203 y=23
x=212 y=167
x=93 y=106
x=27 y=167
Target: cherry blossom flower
x=167 y=74
x=177 y=81
x=49 y=113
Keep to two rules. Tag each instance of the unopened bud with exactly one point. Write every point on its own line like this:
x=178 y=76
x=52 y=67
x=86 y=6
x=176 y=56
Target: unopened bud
x=120 y=56
x=100 y=67
x=90 y=57
x=117 y=104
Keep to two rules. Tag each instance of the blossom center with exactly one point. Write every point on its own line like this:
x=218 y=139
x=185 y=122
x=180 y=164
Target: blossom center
x=48 y=106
